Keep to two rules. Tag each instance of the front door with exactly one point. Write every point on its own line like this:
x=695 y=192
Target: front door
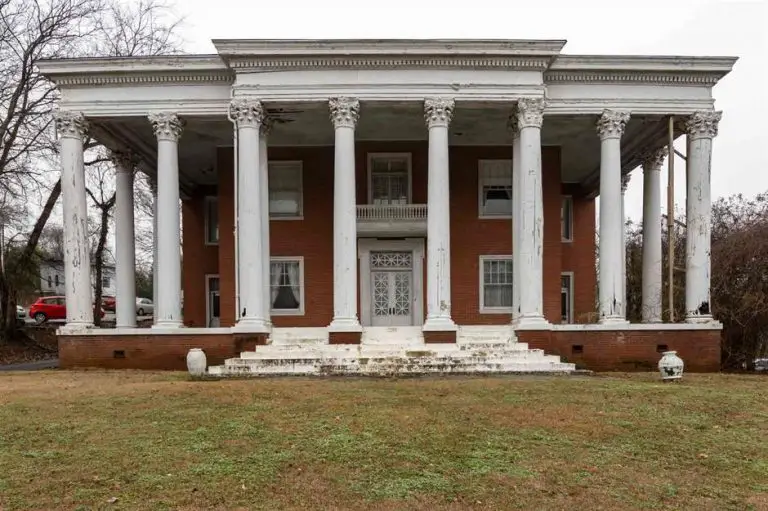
x=392 y=288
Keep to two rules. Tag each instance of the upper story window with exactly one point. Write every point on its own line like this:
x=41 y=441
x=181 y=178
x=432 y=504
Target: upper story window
x=566 y=219
x=211 y=221
x=285 y=189
x=495 y=188
x=389 y=178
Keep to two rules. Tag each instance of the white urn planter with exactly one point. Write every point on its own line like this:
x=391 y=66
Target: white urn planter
x=671 y=366
x=196 y=362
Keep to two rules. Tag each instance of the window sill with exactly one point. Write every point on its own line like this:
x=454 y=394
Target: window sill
x=564 y=240
x=271 y=218
x=499 y=310
x=495 y=217
x=286 y=312
x=211 y=243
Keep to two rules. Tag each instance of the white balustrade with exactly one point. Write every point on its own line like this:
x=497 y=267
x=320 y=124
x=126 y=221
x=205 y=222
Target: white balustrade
x=391 y=212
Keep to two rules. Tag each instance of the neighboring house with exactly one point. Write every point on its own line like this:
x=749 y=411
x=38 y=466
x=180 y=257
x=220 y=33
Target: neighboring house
x=52 y=279
x=371 y=188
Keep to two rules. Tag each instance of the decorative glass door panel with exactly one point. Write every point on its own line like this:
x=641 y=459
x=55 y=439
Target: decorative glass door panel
x=392 y=288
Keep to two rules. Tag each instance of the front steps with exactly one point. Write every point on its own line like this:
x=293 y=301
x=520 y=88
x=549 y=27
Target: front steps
x=386 y=351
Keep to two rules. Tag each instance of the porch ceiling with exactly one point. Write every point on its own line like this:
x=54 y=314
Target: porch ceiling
x=308 y=124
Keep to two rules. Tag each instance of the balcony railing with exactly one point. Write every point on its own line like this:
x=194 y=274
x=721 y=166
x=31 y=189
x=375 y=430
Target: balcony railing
x=391 y=212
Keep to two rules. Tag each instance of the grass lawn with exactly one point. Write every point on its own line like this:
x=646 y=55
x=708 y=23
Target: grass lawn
x=77 y=440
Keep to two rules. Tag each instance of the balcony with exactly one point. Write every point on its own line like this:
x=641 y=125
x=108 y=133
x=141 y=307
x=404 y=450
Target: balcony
x=392 y=219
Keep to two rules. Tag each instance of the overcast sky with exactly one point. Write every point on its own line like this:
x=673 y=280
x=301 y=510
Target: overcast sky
x=648 y=27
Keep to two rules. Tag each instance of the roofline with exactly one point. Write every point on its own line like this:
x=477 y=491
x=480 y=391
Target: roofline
x=154 y=63
x=642 y=63
x=322 y=47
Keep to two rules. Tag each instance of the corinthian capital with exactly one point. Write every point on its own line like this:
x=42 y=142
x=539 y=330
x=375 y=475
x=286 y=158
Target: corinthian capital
x=344 y=112
x=166 y=125
x=438 y=111
x=530 y=112
x=70 y=124
x=654 y=160
x=703 y=124
x=611 y=124
x=246 y=113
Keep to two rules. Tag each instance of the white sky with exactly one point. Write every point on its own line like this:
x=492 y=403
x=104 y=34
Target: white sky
x=648 y=27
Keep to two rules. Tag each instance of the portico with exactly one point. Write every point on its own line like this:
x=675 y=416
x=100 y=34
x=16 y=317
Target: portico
x=402 y=134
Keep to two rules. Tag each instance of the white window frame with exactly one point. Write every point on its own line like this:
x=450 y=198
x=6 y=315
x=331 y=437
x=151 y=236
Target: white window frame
x=566 y=200
x=481 y=285
x=210 y=199
x=373 y=156
x=208 y=277
x=570 y=276
x=480 y=213
x=288 y=312
x=300 y=164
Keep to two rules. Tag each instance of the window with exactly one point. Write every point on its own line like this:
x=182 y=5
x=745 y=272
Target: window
x=50 y=281
x=286 y=285
x=389 y=178
x=496 y=284
x=285 y=190
x=56 y=279
x=566 y=297
x=566 y=219
x=105 y=282
x=211 y=221
x=495 y=188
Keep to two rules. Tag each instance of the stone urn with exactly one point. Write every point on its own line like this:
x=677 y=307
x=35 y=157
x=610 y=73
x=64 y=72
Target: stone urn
x=196 y=362
x=671 y=366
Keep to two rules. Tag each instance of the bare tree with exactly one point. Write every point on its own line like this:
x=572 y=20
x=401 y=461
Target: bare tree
x=32 y=30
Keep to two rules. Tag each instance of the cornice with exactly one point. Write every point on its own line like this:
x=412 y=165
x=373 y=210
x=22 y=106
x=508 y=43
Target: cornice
x=631 y=77
x=181 y=77
x=271 y=63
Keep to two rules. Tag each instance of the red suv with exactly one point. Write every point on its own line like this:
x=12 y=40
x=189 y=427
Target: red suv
x=50 y=307
x=108 y=303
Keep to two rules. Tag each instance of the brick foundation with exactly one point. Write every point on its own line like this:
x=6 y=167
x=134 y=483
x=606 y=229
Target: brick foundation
x=344 y=337
x=439 y=337
x=628 y=350
x=157 y=352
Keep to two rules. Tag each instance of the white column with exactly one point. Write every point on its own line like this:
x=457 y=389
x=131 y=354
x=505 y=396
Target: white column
x=266 y=125
x=167 y=128
x=610 y=128
x=652 y=257
x=344 y=115
x=125 y=248
x=153 y=185
x=624 y=184
x=516 y=207
x=72 y=128
x=701 y=128
x=248 y=114
x=529 y=258
x=438 y=113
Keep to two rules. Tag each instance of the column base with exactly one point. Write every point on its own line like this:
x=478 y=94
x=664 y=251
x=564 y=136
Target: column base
x=439 y=324
x=614 y=321
x=699 y=319
x=531 y=323
x=251 y=326
x=342 y=325
x=75 y=327
x=168 y=324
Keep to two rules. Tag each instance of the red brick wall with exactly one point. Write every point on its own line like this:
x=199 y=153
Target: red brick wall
x=158 y=352
x=312 y=237
x=629 y=350
x=199 y=259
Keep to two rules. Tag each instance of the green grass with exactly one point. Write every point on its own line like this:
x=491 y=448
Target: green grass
x=74 y=440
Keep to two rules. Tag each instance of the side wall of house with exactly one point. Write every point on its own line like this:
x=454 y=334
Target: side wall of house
x=311 y=237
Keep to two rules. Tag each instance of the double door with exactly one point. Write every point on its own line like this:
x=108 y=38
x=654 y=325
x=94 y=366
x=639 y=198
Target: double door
x=391 y=288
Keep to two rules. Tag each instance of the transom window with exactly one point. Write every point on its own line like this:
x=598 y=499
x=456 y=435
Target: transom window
x=389 y=178
x=566 y=219
x=495 y=188
x=285 y=189
x=286 y=285
x=566 y=297
x=496 y=284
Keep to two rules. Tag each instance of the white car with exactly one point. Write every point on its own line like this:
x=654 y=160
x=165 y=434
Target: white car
x=144 y=307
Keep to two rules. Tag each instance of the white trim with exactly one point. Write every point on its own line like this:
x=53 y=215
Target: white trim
x=208 y=277
x=566 y=199
x=300 y=163
x=571 y=289
x=370 y=157
x=481 y=283
x=597 y=327
x=364 y=248
x=303 y=296
x=207 y=219
x=480 y=214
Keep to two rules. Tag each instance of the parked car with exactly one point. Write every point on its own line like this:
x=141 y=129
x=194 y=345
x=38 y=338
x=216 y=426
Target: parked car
x=144 y=307
x=108 y=303
x=50 y=308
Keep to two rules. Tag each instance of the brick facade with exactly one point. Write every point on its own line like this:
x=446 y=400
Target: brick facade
x=312 y=236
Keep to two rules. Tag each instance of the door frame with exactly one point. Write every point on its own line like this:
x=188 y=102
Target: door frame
x=415 y=245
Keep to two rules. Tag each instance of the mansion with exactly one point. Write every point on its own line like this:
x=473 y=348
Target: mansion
x=370 y=206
